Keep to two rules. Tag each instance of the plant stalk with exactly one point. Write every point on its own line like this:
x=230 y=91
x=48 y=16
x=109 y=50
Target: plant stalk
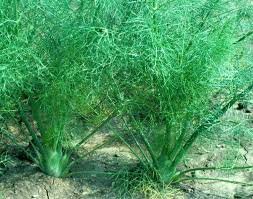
x=208 y=124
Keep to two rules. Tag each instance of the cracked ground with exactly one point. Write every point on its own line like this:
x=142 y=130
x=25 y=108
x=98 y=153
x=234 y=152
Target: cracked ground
x=22 y=180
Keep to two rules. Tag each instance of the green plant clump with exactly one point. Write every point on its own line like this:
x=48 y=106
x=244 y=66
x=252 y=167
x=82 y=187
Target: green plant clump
x=154 y=64
x=169 y=59
x=46 y=76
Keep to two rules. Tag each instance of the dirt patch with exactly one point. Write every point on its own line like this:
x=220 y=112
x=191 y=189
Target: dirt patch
x=23 y=180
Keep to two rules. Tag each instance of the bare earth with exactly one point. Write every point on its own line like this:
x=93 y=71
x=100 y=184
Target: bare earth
x=22 y=180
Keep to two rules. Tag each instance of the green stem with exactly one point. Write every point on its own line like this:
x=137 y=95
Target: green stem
x=208 y=123
x=137 y=142
x=169 y=144
x=205 y=16
x=12 y=139
x=154 y=7
x=244 y=37
x=211 y=168
x=216 y=168
x=94 y=149
x=218 y=179
x=30 y=129
x=132 y=150
x=149 y=148
x=95 y=130
x=151 y=152
x=179 y=142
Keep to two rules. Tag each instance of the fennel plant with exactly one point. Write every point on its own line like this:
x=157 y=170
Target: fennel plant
x=176 y=56
x=157 y=63
x=47 y=79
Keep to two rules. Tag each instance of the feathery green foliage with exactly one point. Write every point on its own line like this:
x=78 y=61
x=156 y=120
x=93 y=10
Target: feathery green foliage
x=156 y=62
x=45 y=70
x=177 y=55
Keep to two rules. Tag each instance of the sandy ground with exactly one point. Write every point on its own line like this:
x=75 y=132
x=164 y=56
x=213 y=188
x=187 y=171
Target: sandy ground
x=22 y=180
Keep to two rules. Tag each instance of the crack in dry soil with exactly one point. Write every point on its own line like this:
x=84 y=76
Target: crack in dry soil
x=47 y=193
x=244 y=148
